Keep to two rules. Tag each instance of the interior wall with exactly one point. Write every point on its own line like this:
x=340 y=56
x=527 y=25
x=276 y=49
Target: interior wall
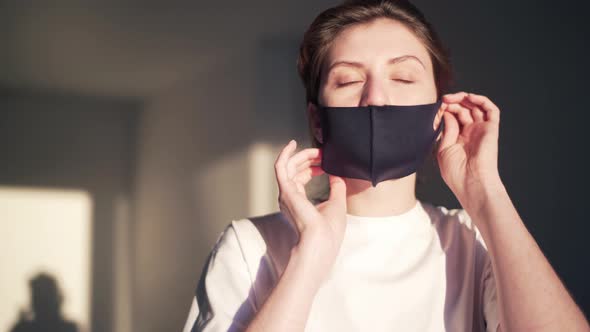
x=179 y=165
x=64 y=142
x=202 y=143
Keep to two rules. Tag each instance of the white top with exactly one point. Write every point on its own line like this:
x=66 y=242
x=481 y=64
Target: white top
x=426 y=269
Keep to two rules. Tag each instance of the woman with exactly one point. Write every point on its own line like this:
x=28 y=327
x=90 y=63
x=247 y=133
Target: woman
x=372 y=257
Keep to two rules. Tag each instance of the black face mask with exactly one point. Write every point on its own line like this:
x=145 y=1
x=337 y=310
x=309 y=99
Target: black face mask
x=377 y=143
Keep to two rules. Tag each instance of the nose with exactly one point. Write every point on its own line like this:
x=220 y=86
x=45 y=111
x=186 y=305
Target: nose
x=375 y=93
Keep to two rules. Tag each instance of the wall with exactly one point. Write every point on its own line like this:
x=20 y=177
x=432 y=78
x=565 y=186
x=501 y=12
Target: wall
x=81 y=144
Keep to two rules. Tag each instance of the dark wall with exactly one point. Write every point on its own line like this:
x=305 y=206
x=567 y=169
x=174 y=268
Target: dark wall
x=530 y=58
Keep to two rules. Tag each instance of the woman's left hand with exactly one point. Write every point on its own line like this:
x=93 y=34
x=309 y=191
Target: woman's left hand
x=468 y=151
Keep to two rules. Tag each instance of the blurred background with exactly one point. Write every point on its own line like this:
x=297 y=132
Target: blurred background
x=132 y=134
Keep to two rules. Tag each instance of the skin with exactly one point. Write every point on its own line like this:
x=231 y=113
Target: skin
x=530 y=295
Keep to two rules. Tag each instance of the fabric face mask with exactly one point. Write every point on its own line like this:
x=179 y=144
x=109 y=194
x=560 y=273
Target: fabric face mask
x=377 y=143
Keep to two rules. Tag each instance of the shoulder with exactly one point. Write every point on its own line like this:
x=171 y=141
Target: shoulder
x=460 y=239
x=454 y=224
x=269 y=229
x=241 y=270
x=266 y=238
x=442 y=214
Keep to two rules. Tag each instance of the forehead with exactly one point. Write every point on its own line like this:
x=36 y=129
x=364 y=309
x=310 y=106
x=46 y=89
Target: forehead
x=376 y=42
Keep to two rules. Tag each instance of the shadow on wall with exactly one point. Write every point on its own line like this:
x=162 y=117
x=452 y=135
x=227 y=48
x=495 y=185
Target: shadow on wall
x=45 y=312
x=74 y=162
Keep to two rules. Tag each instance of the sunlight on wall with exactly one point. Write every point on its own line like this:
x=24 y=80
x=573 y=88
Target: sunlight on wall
x=239 y=185
x=264 y=191
x=247 y=176
x=45 y=231
x=263 y=186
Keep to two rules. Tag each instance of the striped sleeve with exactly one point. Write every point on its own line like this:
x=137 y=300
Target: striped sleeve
x=224 y=299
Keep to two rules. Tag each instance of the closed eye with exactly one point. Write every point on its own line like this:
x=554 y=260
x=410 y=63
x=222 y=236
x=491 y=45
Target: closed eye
x=403 y=81
x=348 y=83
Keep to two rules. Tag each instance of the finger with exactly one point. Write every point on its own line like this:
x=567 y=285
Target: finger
x=464 y=114
x=300 y=187
x=476 y=113
x=450 y=131
x=309 y=163
x=317 y=161
x=304 y=176
x=337 y=189
x=454 y=97
x=303 y=156
x=281 y=164
x=492 y=111
x=299 y=158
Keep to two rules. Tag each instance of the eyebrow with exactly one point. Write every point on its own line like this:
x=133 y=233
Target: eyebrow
x=389 y=62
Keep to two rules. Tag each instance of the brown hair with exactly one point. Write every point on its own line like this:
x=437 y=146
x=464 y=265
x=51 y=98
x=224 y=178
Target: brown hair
x=318 y=38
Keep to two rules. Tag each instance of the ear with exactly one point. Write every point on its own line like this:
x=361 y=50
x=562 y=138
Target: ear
x=314 y=116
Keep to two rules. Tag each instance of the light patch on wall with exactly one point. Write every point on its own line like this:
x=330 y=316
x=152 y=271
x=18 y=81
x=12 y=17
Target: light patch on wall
x=239 y=185
x=263 y=184
x=45 y=231
x=264 y=189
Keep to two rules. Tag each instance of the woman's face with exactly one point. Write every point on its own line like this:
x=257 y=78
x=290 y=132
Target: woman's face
x=377 y=63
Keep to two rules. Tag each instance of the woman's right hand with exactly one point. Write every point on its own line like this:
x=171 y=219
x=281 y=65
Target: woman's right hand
x=321 y=227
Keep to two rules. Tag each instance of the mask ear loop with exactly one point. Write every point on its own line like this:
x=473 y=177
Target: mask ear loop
x=441 y=125
x=437 y=132
x=421 y=179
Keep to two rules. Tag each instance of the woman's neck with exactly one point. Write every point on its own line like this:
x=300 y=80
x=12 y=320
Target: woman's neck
x=391 y=197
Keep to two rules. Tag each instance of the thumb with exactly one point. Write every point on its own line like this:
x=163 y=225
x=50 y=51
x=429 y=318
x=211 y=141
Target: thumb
x=337 y=189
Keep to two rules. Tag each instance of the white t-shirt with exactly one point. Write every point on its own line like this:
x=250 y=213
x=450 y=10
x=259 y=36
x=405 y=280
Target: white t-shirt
x=427 y=269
